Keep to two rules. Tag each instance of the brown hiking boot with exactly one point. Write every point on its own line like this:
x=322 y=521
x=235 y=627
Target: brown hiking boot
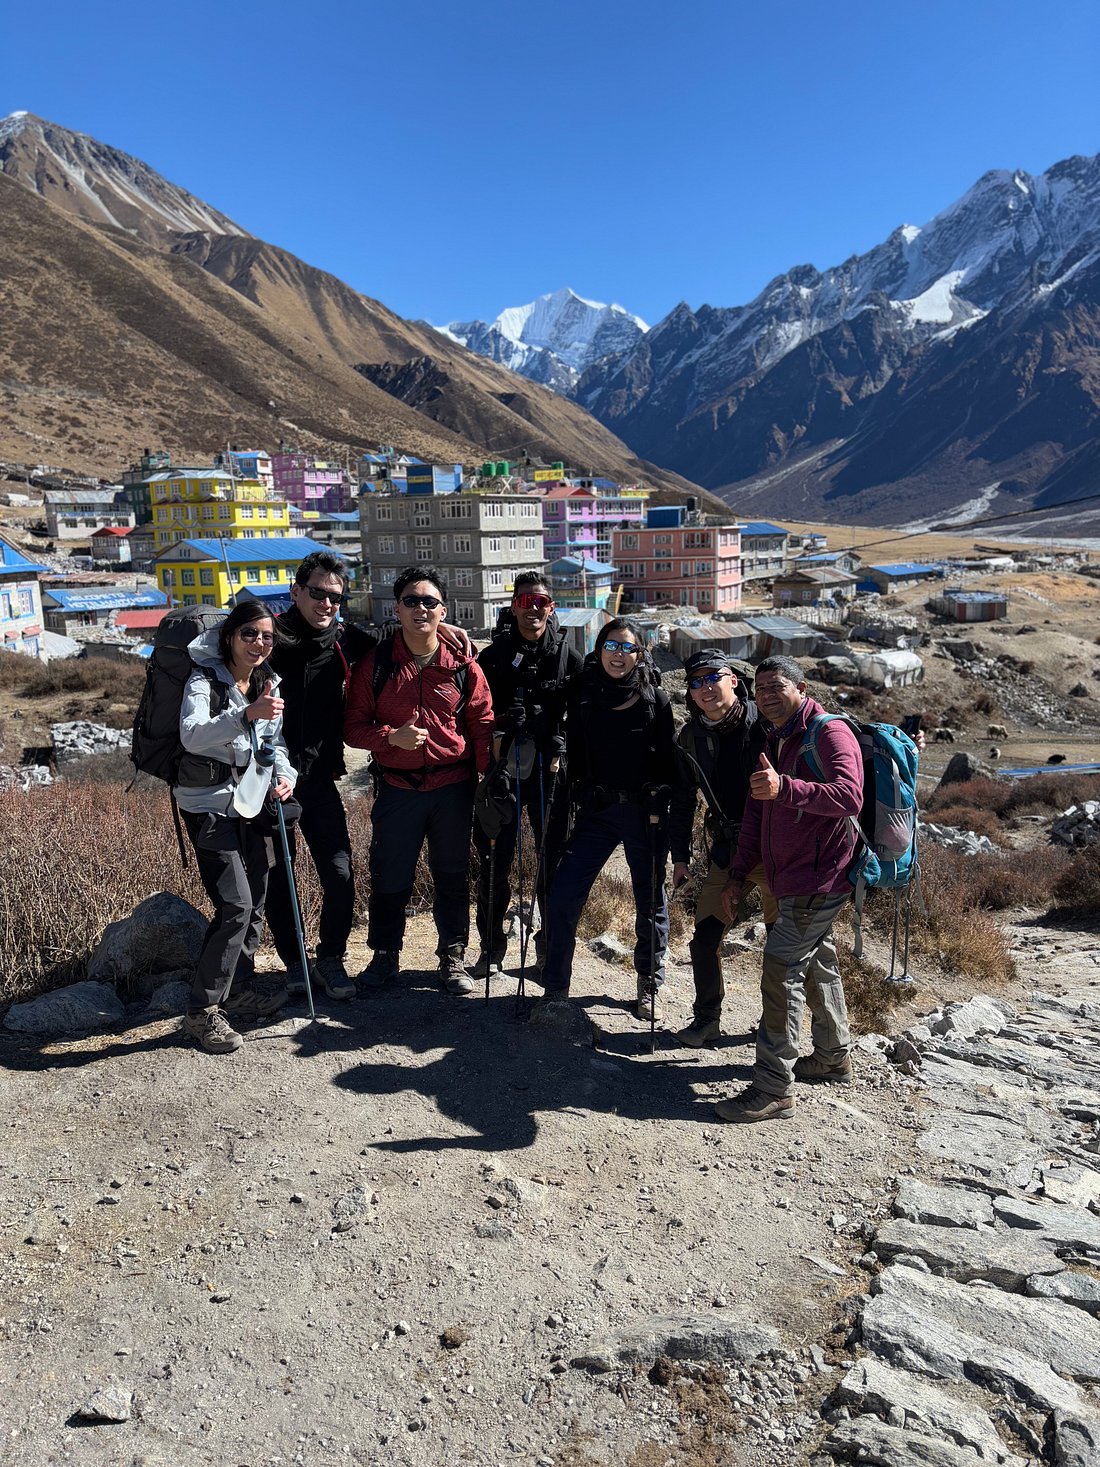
x=755 y=1105
x=212 y=1031
x=700 y=1035
x=813 y=1070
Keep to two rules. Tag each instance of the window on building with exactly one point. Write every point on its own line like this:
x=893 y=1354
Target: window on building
x=662 y=539
x=466 y=611
x=626 y=568
x=704 y=567
x=274 y=574
x=495 y=579
x=662 y=567
x=206 y=577
x=253 y=573
x=493 y=509
x=385 y=544
x=422 y=545
x=629 y=542
x=443 y=549
x=246 y=511
x=513 y=544
x=530 y=542
x=189 y=601
x=209 y=601
x=492 y=545
x=225 y=511
x=462 y=579
x=168 y=575
x=383 y=513
x=455 y=510
x=187 y=577
x=463 y=544
x=261 y=511
x=704 y=597
x=422 y=517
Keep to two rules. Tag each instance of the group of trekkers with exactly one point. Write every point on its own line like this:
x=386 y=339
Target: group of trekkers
x=463 y=745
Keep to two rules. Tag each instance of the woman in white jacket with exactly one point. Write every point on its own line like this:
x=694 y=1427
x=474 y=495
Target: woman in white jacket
x=232 y=692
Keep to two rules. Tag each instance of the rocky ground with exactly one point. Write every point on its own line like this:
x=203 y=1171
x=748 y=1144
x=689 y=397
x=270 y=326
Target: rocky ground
x=419 y=1232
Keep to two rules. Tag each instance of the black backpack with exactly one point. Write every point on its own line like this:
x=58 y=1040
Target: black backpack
x=384 y=667
x=155 y=747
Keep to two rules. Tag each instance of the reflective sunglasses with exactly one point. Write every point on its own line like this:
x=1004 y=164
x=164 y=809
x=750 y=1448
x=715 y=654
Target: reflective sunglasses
x=532 y=601
x=315 y=593
x=612 y=646
x=696 y=683
x=429 y=603
x=250 y=634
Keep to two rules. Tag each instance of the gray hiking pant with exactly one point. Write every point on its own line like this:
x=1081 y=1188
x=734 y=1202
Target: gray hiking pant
x=800 y=967
x=233 y=859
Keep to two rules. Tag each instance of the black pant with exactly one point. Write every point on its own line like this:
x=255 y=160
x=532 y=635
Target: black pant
x=324 y=828
x=556 y=819
x=233 y=859
x=401 y=819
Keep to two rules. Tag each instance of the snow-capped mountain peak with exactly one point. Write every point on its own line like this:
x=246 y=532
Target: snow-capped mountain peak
x=553 y=339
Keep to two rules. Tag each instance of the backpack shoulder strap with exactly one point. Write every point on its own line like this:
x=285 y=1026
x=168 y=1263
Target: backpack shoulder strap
x=809 y=750
x=383 y=666
x=343 y=656
x=462 y=683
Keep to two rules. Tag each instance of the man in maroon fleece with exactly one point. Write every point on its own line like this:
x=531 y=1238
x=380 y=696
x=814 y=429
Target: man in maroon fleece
x=800 y=828
x=429 y=731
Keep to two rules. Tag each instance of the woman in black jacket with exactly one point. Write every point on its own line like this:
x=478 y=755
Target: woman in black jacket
x=620 y=742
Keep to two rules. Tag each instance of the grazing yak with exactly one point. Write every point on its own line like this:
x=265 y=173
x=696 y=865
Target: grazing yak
x=944 y=736
x=1056 y=759
x=997 y=731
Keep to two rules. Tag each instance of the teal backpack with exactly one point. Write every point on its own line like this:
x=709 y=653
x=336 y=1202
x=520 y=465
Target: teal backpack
x=887 y=824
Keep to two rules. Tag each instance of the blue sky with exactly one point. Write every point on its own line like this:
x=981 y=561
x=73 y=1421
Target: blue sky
x=451 y=159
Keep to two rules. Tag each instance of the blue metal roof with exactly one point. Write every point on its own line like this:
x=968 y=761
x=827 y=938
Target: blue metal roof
x=90 y=599
x=827 y=557
x=240 y=551
x=14 y=560
x=762 y=527
x=777 y=624
x=570 y=565
x=977 y=596
x=578 y=616
x=908 y=568
x=277 y=598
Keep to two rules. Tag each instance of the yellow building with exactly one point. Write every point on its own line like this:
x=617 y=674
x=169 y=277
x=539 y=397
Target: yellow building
x=208 y=572
x=197 y=502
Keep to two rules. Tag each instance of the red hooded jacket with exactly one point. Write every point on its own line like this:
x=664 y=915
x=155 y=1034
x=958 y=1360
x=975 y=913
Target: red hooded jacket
x=456 y=746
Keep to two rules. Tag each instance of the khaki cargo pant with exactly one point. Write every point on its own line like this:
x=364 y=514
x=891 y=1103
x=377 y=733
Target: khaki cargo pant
x=711 y=926
x=800 y=967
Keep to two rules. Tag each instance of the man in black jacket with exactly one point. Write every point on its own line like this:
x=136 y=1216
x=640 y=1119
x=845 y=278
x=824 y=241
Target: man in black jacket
x=529 y=666
x=313 y=661
x=720 y=744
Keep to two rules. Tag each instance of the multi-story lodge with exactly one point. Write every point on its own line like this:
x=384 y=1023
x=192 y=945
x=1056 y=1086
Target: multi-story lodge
x=478 y=541
x=213 y=502
x=679 y=557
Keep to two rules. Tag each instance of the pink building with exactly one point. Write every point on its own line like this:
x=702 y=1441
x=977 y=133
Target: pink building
x=680 y=559
x=310 y=483
x=580 y=519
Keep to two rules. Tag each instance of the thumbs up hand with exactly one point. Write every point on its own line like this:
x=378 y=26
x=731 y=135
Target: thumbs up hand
x=408 y=736
x=267 y=705
x=764 y=781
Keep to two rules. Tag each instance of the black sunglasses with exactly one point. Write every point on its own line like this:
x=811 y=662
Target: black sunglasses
x=429 y=603
x=612 y=646
x=707 y=677
x=315 y=593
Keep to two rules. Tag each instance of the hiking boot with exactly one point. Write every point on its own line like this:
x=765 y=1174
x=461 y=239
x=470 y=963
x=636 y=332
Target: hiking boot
x=488 y=965
x=249 y=1003
x=647 y=1006
x=212 y=1031
x=700 y=1034
x=452 y=972
x=333 y=978
x=295 y=978
x=755 y=1105
x=383 y=968
x=813 y=1070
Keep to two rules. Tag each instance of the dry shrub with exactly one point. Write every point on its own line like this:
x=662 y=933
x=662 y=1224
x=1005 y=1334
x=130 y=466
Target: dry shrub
x=964 y=938
x=867 y=994
x=970 y=794
x=969 y=817
x=122 y=682
x=1043 y=793
x=1016 y=879
x=985 y=703
x=1077 y=889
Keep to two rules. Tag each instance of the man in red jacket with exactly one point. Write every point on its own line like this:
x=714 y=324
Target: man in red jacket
x=428 y=726
x=801 y=829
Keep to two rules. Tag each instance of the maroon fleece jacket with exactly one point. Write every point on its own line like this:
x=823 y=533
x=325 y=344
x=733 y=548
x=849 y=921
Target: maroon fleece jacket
x=803 y=836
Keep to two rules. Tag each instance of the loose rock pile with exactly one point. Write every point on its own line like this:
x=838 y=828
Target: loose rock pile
x=1078 y=826
x=80 y=739
x=953 y=839
x=23 y=776
x=981 y=1335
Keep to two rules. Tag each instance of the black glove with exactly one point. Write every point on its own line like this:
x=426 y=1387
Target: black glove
x=513 y=720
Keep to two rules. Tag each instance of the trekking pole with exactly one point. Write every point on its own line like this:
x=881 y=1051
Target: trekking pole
x=489 y=915
x=521 y=996
x=894 y=937
x=267 y=757
x=655 y=793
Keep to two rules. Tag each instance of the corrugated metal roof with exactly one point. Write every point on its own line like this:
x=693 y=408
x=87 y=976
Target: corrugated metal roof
x=579 y=616
x=109 y=530
x=569 y=565
x=141 y=621
x=89 y=599
x=239 y=552
x=976 y=596
x=762 y=527
x=166 y=474
x=12 y=559
x=775 y=624
x=908 y=568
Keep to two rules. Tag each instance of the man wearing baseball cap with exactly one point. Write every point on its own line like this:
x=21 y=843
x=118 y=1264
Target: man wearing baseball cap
x=720 y=744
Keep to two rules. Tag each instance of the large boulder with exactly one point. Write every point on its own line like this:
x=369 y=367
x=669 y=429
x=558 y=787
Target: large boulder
x=962 y=767
x=81 y=1008
x=162 y=935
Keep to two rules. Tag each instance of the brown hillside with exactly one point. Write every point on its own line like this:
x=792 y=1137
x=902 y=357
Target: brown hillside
x=107 y=344
x=499 y=410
